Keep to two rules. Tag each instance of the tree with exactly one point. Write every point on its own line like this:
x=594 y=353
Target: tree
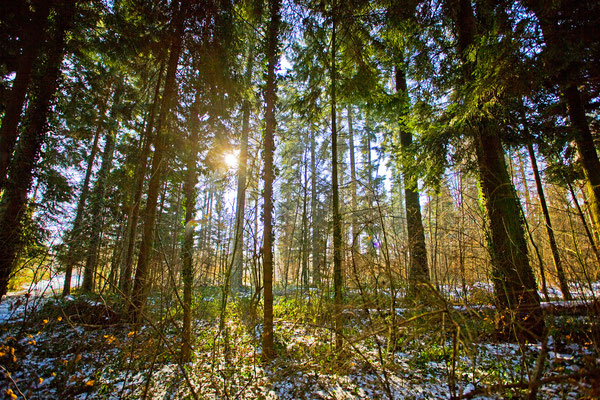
x=515 y=288
x=337 y=218
x=21 y=170
x=99 y=193
x=561 y=25
x=33 y=36
x=418 y=275
x=272 y=57
x=159 y=163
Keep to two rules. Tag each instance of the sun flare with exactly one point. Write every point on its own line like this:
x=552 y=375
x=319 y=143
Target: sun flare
x=231 y=160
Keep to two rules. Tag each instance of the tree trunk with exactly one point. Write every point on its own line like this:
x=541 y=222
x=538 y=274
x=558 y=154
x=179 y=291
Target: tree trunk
x=515 y=288
x=159 y=166
x=418 y=273
x=237 y=273
x=560 y=273
x=547 y=15
x=14 y=199
x=140 y=176
x=33 y=37
x=98 y=195
x=304 y=258
x=313 y=210
x=353 y=200
x=189 y=192
x=73 y=240
x=270 y=125
x=337 y=218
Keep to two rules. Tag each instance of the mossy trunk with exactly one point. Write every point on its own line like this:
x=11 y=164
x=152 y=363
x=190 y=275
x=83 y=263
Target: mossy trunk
x=515 y=289
x=418 y=273
x=337 y=218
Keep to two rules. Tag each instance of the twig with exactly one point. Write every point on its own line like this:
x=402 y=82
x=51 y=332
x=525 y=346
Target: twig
x=9 y=376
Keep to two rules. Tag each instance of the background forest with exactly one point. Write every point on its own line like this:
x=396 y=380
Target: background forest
x=299 y=199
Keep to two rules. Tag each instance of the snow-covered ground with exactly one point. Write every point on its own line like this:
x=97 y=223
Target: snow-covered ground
x=19 y=303
x=57 y=357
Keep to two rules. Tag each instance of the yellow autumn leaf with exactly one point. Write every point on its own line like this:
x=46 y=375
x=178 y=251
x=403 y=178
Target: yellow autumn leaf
x=90 y=383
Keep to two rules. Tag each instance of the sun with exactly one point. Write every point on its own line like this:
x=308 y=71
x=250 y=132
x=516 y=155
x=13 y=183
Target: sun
x=231 y=159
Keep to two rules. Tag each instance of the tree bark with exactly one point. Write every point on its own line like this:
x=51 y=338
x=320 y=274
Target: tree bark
x=353 y=198
x=515 y=288
x=14 y=199
x=237 y=273
x=159 y=166
x=33 y=37
x=547 y=15
x=269 y=147
x=418 y=273
x=337 y=218
x=316 y=268
x=98 y=195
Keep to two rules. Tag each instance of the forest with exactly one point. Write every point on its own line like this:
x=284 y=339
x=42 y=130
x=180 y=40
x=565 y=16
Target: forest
x=299 y=199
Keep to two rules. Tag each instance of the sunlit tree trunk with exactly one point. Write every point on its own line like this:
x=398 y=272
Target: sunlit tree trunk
x=14 y=199
x=548 y=15
x=515 y=288
x=237 y=272
x=33 y=36
x=316 y=266
x=337 y=218
x=159 y=164
x=418 y=273
x=353 y=200
x=560 y=272
x=97 y=198
x=269 y=147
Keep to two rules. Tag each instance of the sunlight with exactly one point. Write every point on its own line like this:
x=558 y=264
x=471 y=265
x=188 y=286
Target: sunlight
x=231 y=159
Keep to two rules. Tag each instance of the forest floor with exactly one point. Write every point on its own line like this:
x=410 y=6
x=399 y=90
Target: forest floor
x=78 y=347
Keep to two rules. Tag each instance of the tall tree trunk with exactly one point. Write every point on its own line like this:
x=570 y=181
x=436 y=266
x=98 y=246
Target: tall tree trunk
x=337 y=218
x=74 y=239
x=98 y=195
x=237 y=272
x=14 y=199
x=316 y=268
x=33 y=37
x=548 y=15
x=139 y=178
x=560 y=273
x=304 y=247
x=515 y=288
x=353 y=200
x=189 y=192
x=418 y=273
x=159 y=165
x=270 y=125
